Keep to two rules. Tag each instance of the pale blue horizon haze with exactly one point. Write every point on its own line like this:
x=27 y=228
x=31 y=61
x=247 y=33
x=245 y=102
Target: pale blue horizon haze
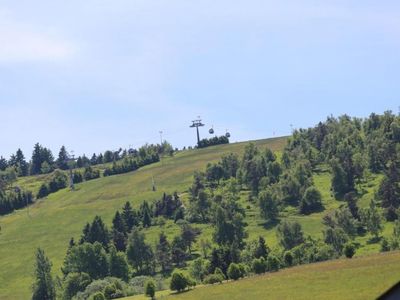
x=98 y=75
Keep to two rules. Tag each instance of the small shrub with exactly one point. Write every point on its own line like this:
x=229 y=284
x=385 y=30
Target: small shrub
x=179 y=281
x=150 y=289
x=349 y=250
x=98 y=296
x=234 y=271
x=288 y=258
x=273 y=263
x=259 y=265
x=213 y=278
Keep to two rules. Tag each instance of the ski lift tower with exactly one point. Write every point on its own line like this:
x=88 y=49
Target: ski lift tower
x=196 y=124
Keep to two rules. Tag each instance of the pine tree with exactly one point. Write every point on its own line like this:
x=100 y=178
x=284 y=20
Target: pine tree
x=129 y=216
x=43 y=288
x=163 y=253
x=62 y=160
x=119 y=232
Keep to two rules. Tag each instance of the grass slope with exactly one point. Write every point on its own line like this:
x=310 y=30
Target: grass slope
x=51 y=222
x=358 y=278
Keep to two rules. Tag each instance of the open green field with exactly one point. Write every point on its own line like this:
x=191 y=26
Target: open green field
x=358 y=278
x=51 y=222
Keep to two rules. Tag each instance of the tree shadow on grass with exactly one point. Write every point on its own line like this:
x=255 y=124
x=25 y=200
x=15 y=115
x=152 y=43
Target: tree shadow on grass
x=270 y=224
x=374 y=240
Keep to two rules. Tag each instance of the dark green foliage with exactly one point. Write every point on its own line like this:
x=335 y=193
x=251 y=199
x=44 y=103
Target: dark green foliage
x=146 y=214
x=268 y=205
x=372 y=220
x=178 y=251
x=230 y=165
x=14 y=199
x=259 y=265
x=179 y=281
x=311 y=201
x=43 y=287
x=167 y=206
x=96 y=232
x=119 y=232
x=58 y=181
x=213 y=141
x=130 y=216
x=213 y=278
x=234 y=271
x=229 y=229
x=262 y=249
x=189 y=235
x=118 y=264
x=3 y=163
x=214 y=173
x=289 y=234
x=87 y=258
x=77 y=177
x=199 y=269
x=337 y=238
x=385 y=245
x=140 y=254
x=98 y=296
x=163 y=253
x=389 y=190
x=273 y=263
x=74 y=283
x=349 y=250
x=19 y=163
x=91 y=173
x=150 y=289
x=40 y=156
x=62 y=160
x=288 y=258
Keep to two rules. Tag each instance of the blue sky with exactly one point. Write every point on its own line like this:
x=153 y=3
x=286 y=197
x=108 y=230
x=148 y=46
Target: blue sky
x=97 y=75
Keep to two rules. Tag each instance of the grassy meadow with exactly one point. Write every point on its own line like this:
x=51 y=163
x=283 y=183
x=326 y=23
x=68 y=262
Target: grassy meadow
x=360 y=278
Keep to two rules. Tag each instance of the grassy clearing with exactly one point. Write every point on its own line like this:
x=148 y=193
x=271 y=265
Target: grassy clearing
x=358 y=278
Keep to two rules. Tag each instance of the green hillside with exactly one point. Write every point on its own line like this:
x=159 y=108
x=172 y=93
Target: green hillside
x=51 y=222
x=359 y=278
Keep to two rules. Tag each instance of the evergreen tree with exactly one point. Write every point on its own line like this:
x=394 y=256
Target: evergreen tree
x=163 y=253
x=129 y=216
x=43 y=288
x=3 y=163
x=119 y=232
x=262 y=249
x=62 y=160
x=189 y=235
x=146 y=214
x=389 y=190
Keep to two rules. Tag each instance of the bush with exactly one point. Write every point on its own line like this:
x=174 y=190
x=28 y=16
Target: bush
x=259 y=265
x=234 y=271
x=349 y=250
x=385 y=245
x=43 y=191
x=213 y=278
x=150 y=289
x=311 y=201
x=179 y=281
x=288 y=258
x=98 y=296
x=74 y=283
x=273 y=263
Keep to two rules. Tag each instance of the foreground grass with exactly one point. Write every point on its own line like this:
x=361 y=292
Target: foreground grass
x=358 y=278
x=51 y=222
